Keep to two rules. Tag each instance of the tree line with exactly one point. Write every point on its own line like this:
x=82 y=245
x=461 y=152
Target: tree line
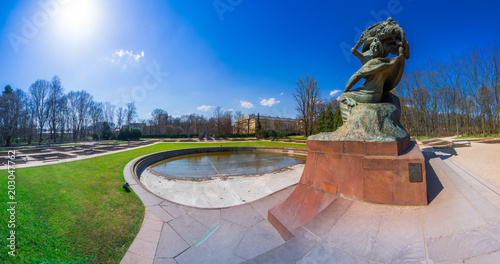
x=46 y=114
x=457 y=97
x=161 y=123
x=25 y=117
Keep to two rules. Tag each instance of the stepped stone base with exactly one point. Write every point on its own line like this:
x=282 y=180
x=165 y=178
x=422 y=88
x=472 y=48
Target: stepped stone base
x=390 y=173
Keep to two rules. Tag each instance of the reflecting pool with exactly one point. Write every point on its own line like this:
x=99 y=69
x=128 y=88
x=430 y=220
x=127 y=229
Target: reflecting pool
x=202 y=166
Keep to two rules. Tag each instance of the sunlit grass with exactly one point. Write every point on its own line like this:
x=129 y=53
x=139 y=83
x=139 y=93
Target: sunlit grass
x=297 y=137
x=78 y=210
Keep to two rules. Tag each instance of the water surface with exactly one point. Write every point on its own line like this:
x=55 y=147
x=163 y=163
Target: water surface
x=227 y=163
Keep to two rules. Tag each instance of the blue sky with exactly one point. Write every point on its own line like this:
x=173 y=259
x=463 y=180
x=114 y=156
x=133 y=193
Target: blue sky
x=191 y=56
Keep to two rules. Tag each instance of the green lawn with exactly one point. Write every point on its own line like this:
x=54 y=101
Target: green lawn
x=73 y=211
x=297 y=137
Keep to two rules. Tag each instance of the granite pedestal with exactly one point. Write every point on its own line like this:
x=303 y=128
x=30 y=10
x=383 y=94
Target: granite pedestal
x=390 y=173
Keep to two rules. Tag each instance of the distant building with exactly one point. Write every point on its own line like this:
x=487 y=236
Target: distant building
x=247 y=124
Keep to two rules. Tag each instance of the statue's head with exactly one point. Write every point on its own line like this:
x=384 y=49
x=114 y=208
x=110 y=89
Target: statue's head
x=377 y=49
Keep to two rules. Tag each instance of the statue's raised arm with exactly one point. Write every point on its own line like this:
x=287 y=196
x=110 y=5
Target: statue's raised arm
x=381 y=74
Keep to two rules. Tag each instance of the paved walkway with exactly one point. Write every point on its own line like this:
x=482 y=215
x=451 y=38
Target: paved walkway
x=461 y=224
x=481 y=158
x=173 y=233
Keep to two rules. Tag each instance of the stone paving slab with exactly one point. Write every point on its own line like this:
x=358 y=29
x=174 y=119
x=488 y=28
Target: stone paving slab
x=329 y=217
x=357 y=231
x=244 y=215
x=258 y=239
x=290 y=252
x=217 y=249
x=170 y=244
x=189 y=229
x=161 y=213
x=400 y=238
x=175 y=210
x=208 y=218
x=492 y=258
x=323 y=253
x=464 y=245
x=131 y=258
x=263 y=205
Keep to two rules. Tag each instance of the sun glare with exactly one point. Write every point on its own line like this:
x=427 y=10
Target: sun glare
x=77 y=16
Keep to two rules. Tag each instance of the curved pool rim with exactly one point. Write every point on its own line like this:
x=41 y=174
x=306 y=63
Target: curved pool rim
x=141 y=163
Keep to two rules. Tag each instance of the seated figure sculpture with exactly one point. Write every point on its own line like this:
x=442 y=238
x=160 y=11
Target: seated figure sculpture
x=371 y=112
x=381 y=74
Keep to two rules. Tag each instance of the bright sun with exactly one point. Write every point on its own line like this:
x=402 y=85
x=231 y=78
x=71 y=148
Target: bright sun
x=77 y=16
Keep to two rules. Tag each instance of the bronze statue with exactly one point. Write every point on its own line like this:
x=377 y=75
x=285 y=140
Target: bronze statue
x=381 y=74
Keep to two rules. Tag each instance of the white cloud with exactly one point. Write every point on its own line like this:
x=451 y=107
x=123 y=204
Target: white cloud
x=126 y=56
x=230 y=110
x=204 y=108
x=281 y=93
x=335 y=92
x=269 y=102
x=246 y=104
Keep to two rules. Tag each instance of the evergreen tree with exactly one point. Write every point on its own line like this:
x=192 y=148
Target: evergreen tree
x=8 y=90
x=326 y=120
x=258 y=127
x=337 y=119
x=106 y=131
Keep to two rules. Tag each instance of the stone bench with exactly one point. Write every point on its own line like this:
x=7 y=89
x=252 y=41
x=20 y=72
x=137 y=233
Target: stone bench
x=20 y=159
x=88 y=151
x=460 y=142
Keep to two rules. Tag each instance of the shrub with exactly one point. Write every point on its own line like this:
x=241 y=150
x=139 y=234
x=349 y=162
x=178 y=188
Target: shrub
x=124 y=134
x=284 y=134
x=135 y=133
x=106 y=131
x=269 y=133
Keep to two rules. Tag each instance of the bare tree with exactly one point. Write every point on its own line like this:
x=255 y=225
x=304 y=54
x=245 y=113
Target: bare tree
x=159 y=118
x=53 y=101
x=226 y=124
x=11 y=108
x=26 y=118
x=79 y=104
x=96 y=115
x=72 y=102
x=120 y=116
x=83 y=106
x=130 y=113
x=39 y=92
x=218 y=118
x=307 y=99
x=239 y=125
x=109 y=112
x=491 y=71
x=63 y=116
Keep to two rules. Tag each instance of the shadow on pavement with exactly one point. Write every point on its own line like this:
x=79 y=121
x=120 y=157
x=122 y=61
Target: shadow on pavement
x=434 y=185
x=448 y=153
